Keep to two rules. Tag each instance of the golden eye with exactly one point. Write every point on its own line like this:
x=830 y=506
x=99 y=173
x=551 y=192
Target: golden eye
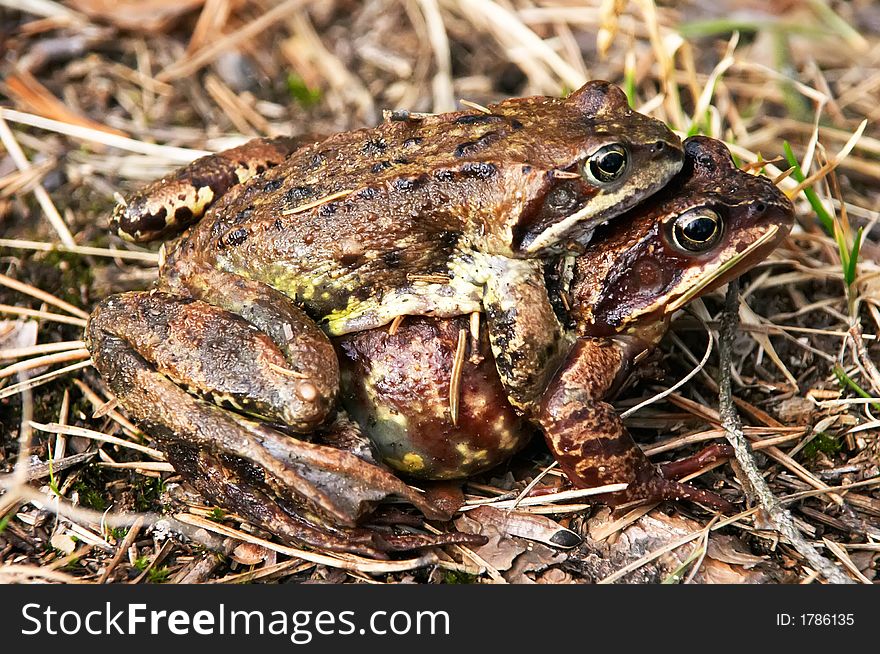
x=697 y=230
x=606 y=164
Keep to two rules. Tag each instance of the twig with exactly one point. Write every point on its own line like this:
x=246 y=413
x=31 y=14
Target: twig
x=170 y=153
x=148 y=257
x=752 y=478
x=46 y=204
x=349 y=562
x=121 y=549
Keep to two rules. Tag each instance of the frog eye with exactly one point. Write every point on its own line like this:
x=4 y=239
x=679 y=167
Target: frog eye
x=606 y=164
x=697 y=230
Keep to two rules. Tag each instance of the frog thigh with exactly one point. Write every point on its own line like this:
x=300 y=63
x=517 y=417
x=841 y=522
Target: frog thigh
x=141 y=343
x=217 y=355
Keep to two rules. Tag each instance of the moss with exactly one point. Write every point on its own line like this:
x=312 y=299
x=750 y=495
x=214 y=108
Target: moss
x=299 y=91
x=456 y=577
x=158 y=575
x=824 y=443
x=89 y=488
x=72 y=272
x=148 y=493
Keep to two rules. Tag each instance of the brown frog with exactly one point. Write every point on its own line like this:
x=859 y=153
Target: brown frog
x=440 y=215
x=427 y=395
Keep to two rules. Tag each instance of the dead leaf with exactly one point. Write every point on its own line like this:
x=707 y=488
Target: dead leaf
x=249 y=554
x=527 y=525
x=63 y=543
x=500 y=551
x=535 y=559
x=652 y=532
x=728 y=549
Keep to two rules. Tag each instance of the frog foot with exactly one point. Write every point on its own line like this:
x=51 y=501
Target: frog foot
x=169 y=205
x=243 y=489
x=593 y=448
x=689 y=465
x=149 y=346
x=658 y=488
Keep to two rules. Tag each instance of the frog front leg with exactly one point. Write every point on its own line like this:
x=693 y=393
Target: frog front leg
x=588 y=438
x=526 y=338
x=149 y=346
x=169 y=205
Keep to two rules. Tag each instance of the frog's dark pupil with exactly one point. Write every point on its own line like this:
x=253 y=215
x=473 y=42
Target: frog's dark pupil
x=611 y=163
x=608 y=164
x=699 y=229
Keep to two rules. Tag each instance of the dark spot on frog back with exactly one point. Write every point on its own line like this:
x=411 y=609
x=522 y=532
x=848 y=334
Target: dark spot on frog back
x=318 y=159
x=469 y=148
x=298 y=194
x=367 y=193
x=328 y=209
x=478 y=119
x=244 y=215
x=374 y=147
x=478 y=170
x=409 y=184
x=234 y=238
x=391 y=259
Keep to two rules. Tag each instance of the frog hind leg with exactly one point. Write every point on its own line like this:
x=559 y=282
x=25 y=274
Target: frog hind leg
x=169 y=205
x=696 y=462
x=236 y=486
x=148 y=345
x=590 y=442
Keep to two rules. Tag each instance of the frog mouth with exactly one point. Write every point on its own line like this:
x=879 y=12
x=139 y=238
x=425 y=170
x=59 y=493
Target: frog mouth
x=719 y=273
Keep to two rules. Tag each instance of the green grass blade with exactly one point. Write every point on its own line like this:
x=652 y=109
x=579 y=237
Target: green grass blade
x=852 y=263
x=823 y=215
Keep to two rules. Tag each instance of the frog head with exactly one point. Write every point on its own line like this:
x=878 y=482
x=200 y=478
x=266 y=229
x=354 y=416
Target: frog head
x=601 y=158
x=712 y=223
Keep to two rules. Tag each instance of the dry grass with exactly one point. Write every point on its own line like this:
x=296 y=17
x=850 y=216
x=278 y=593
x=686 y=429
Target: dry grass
x=94 y=105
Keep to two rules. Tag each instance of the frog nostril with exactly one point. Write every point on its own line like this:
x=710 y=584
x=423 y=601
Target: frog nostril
x=760 y=207
x=659 y=146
